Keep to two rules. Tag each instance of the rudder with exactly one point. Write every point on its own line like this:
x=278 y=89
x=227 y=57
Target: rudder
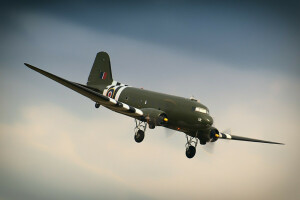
x=100 y=75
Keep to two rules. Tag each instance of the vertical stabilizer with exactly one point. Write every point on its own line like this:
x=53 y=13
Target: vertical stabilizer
x=100 y=75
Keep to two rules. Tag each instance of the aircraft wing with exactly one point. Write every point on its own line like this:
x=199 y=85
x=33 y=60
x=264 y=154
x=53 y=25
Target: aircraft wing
x=93 y=94
x=234 y=137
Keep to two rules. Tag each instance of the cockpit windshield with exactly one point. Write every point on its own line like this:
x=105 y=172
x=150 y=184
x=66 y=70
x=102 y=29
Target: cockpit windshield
x=202 y=110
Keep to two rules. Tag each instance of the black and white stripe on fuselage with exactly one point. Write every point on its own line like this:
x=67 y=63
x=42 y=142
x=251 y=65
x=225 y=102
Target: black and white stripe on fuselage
x=114 y=90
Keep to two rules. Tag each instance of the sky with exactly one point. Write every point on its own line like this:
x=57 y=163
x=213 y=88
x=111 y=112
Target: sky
x=241 y=60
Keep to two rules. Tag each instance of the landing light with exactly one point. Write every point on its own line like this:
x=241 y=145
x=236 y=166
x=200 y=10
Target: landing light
x=166 y=119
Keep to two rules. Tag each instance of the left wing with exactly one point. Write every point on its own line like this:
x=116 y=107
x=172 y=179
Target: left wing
x=93 y=94
x=234 y=137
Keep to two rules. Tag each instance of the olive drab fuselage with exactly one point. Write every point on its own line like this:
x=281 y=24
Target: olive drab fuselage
x=180 y=111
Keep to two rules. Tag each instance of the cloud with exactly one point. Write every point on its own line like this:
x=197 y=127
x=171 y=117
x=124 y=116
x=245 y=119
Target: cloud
x=50 y=143
x=68 y=150
x=249 y=34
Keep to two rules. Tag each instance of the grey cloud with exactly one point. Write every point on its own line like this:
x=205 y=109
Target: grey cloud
x=42 y=142
x=247 y=35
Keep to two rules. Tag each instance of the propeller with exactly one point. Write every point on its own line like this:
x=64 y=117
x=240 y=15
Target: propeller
x=210 y=146
x=227 y=131
x=169 y=132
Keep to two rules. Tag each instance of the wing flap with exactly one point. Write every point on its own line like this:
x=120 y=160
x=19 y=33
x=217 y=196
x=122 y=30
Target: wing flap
x=92 y=94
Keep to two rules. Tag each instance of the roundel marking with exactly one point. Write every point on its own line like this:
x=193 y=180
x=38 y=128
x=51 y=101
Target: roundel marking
x=110 y=92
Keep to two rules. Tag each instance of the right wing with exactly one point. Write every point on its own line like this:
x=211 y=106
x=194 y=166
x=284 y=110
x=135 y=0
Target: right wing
x=93 y=94
x=234 y=137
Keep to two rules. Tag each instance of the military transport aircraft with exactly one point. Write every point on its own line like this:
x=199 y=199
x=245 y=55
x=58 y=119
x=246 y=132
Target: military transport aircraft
x=146 y=107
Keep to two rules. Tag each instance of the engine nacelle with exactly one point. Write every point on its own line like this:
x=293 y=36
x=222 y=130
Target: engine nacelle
x=155 y=116
x=213 y=134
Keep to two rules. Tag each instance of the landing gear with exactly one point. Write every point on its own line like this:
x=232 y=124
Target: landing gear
x=190 y=152
x=140 y=128
x=191 y=144
x=139 y=136
x=97 y=105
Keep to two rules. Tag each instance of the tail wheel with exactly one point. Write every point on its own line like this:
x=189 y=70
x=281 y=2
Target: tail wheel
x=97 y=105
x=139 y=136
x=190 y=152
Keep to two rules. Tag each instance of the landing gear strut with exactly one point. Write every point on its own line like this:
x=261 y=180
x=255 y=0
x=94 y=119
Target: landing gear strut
x=190 y=148
x=140 y=128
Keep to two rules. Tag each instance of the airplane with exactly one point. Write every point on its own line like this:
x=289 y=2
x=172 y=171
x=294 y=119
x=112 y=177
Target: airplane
x=186 y=115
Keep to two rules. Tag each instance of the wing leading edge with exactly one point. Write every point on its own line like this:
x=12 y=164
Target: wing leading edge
x=234 y=137
x=92 y=94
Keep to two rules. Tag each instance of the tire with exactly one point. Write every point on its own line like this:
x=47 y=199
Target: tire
x=139 y=136
x=190 y=152
x=97 y=105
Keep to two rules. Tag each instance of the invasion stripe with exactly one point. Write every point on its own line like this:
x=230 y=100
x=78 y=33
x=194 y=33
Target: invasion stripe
x=105 y=92
x=119 y=92
x=116 y=90
x=119 y=104
x=113 y=101
x=131 y=109
x=126 y=106
x=228 y=136
x=139 y=112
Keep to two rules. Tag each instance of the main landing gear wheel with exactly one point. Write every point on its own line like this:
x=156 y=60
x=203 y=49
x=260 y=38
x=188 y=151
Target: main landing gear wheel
x=190 y=147
x=140 y=128
x=97 y=105
x=139 y=136
x=190 y=152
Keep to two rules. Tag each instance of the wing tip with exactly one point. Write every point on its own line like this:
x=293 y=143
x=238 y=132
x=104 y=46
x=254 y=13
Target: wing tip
x=28 y=65
x=275 y=143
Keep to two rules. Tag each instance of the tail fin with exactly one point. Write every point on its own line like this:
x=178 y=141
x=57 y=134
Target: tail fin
x=100 y=75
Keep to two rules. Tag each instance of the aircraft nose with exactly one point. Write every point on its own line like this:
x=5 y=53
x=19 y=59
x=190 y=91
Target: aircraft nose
x=208 y=120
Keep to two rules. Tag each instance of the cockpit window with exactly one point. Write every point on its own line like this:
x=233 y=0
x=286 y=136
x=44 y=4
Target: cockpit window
x=202 y=110
x=193 y=99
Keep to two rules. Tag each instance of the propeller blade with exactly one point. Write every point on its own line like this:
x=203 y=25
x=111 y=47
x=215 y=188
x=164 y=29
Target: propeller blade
x=169 y=132
x=209 y=147
x=227 y=131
